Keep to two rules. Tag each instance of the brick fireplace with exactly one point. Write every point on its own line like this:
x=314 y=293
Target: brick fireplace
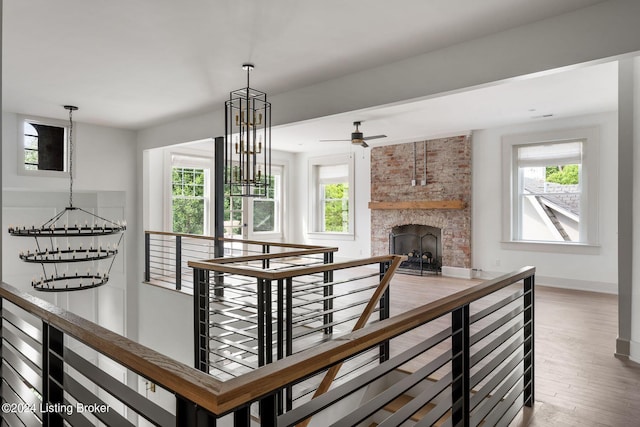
x=444 y=202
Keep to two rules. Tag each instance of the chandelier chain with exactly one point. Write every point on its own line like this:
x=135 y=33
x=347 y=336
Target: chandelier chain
x=70 y=143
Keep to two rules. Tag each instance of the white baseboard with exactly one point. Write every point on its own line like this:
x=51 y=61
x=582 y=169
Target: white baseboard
x=458 y=272
x=557 y=282
x=580 y=285
x=634 y=354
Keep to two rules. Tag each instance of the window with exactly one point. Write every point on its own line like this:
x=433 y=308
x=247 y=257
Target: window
x=553 y=188
x=266 y=211
x=333 y=207
x=189 y=195
x=263 y=214
x=44 y=147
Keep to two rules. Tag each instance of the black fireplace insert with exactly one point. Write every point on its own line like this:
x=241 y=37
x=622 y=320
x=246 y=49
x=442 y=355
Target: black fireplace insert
x=422 y=246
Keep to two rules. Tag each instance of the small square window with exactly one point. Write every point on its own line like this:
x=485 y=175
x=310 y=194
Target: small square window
x=44 y=148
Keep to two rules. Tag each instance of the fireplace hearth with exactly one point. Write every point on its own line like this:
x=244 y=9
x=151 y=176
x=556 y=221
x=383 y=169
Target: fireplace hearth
x=421 y=244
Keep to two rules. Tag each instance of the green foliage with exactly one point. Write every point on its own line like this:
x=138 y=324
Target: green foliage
x=187 y=186
x=565 y=175
x=188 y=216
x=336 y=207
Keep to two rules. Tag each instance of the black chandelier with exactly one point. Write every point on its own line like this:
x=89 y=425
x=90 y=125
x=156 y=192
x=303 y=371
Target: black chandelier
x=247 y=141
x=73 y=240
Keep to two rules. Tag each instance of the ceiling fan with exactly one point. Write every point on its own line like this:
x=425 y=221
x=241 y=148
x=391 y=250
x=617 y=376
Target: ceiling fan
x=357 y=137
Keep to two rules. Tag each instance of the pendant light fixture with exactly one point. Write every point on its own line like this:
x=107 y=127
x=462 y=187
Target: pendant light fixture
x=76 y=248
x=248 y=141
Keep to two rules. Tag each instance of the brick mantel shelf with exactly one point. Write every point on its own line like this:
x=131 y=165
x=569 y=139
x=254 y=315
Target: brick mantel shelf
x=419 y=204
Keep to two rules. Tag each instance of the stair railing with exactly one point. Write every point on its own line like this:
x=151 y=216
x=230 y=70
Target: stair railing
x=472 y=365
x=247 y=316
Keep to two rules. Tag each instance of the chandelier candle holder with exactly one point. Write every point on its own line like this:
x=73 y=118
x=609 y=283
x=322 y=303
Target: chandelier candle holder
x=247 y=141
x=71 y=237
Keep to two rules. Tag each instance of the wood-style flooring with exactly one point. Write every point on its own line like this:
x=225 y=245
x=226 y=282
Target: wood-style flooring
x=579 y=381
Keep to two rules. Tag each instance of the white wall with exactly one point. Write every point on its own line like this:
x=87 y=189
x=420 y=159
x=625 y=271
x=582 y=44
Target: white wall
x=632 y=292
x=104 y=179
x=595 y=268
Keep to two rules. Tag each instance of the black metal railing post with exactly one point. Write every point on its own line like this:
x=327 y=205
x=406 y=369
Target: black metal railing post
x=268 y=412
x=280 y=320
x=265 y=250
x=529 y=342
x=460 y=389
x=147 y=257
x=218 y=210
x=192 y=415
x=261 y=321
x=328 y=294
x=201 y=318
x=242 y=417
x=268 y=322
x=178 y=262
x=52 y=374
x=385 y=311
x=289 y=335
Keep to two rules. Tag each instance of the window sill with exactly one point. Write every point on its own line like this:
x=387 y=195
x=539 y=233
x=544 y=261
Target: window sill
x=330 y=236
x=552 y=247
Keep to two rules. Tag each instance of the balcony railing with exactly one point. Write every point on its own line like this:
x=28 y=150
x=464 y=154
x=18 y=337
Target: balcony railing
x=167 y=255
x=249 y=315
x=471 y=356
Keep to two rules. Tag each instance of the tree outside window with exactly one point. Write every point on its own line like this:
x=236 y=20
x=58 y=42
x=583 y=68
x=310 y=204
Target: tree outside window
x=550 y=191
x=333 y=207
x=335 y=211
x=189 y=201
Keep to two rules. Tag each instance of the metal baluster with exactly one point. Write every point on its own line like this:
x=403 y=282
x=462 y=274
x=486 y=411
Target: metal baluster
x=201 y=318
x=178 y=262
x=529 y=343
x=460 y=366
x=52 y=373
x=385 y=306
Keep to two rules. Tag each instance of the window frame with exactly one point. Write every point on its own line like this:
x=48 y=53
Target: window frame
x=21 y=147
x=187 y=160
x=511 y=231
x=316 y=212
x=279 y=172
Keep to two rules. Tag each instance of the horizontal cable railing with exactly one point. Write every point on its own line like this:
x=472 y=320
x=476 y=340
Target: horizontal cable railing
x=167 y=255
x=250 y=314
x=466 y=359
x=60 y=368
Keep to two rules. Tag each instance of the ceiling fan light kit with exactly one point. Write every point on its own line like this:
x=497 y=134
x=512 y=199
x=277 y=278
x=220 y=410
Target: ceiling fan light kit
x=357 y=137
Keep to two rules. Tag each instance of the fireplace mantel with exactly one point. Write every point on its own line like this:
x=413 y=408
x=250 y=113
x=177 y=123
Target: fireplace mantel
x=419 y=204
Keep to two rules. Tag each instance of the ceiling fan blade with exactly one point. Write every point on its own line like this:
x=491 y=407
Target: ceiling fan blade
x=334 y=140
x=364 y=144
x=367 y=138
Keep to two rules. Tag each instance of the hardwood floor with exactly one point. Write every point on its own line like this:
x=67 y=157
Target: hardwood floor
x=579 y=381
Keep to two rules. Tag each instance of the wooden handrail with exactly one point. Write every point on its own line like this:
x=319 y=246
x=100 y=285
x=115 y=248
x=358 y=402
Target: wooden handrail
x=269 y=378
x=250 y=242
x=259 y=257
x=177 y=377
x=224 y=267
x=331 y=374
x=221 y=397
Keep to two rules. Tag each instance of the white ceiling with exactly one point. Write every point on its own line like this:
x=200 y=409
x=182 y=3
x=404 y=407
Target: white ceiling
x=134 y=64
x=562 y=94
